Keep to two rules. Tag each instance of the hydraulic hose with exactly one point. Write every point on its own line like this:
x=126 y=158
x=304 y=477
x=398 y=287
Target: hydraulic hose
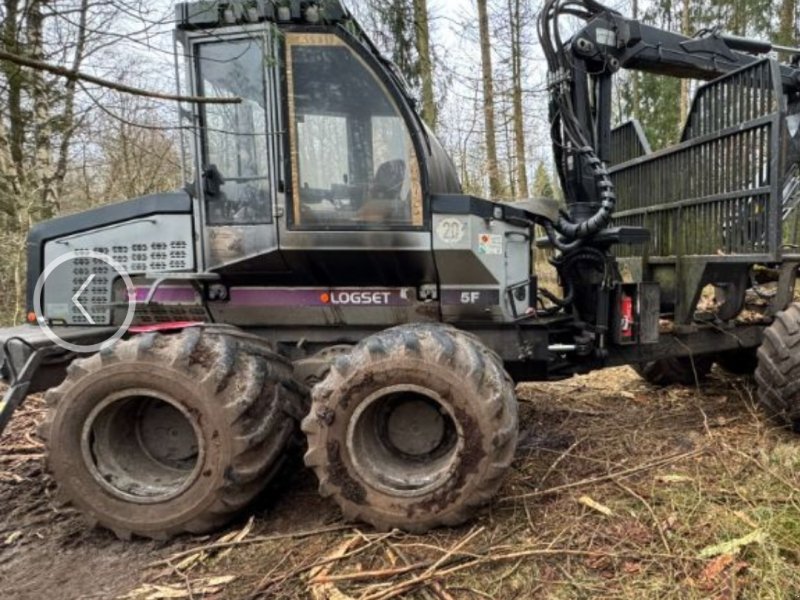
x=569 y=134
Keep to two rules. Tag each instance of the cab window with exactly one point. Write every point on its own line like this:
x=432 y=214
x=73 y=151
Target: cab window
x=353 y=161
x=236 y=173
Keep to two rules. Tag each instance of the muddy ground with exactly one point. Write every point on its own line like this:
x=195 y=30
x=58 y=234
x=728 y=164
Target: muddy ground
x=619 y=490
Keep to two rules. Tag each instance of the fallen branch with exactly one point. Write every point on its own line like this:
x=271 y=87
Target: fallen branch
x=328 y=591
x=266 y=584
x=20 y=457
x=650 y=510
x=248 y=542
x=608 y=477
x=377 y=574
x=428 y=574
x=458 y=562
x=26 y=449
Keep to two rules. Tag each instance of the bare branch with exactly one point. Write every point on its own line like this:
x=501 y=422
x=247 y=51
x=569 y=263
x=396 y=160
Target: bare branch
x=77 y=75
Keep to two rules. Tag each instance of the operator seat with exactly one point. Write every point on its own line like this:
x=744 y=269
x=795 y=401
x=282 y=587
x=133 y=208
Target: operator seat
x=384 y=198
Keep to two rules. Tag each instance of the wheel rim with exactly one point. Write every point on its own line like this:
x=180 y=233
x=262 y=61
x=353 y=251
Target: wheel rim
x=142 y=446
x=404 y=440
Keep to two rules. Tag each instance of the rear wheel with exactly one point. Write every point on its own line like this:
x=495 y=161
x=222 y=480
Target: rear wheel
x=778 y=373
x=413 y=429
x=676 y=370
x=739 y=362
x=168 y=434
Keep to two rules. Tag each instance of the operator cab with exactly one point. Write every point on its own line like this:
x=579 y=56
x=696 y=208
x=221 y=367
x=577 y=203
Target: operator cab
x=322 y=172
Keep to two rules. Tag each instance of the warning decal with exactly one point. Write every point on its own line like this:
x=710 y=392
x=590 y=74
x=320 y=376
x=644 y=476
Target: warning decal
x=490 y=244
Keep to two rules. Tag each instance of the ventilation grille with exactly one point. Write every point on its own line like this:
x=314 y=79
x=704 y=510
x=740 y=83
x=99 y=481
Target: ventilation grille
x=155 y=257
x=150 y=258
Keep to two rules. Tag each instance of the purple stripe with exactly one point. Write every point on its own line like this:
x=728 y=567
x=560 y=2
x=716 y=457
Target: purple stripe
x=169 y=295
x=243 y=297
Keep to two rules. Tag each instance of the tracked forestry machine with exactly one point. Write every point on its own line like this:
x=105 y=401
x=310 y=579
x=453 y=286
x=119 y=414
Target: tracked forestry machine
x=323 y=278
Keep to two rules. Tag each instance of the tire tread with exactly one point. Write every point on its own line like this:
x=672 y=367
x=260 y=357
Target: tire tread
x=256 y=390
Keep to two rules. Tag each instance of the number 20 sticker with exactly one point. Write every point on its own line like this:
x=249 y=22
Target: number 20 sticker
x=451 y=231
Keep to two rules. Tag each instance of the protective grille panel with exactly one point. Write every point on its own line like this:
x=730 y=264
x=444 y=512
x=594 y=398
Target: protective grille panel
x=136 y=259
x=628 y=142
x=719 y=192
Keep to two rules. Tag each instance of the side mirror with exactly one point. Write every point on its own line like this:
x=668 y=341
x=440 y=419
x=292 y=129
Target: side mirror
x=213 y=181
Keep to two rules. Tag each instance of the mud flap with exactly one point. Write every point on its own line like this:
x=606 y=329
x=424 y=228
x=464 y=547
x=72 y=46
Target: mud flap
x=18 y=374
x=23 y=351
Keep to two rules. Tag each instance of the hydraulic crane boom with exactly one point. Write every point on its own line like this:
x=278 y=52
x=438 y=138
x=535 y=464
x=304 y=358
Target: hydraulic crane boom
x=580 y=81
x=618 y=42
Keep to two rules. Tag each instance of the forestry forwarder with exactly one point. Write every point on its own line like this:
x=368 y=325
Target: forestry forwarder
x=325 y=266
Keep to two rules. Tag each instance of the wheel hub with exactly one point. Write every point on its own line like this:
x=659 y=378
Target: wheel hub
x=404 y=440
x=142 y=446
x=166 y=434
x=415 y=427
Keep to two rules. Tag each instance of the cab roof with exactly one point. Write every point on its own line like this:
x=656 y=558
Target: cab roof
x=214 y=13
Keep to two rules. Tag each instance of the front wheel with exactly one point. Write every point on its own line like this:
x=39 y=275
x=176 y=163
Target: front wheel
x=413 y=429
x=161 y=435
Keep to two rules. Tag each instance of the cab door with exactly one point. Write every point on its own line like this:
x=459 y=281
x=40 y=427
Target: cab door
x=356 y=213
x=239 y=151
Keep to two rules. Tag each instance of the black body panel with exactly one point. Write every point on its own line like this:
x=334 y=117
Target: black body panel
x=357 y=268
x=439 y=166
x=451 y=204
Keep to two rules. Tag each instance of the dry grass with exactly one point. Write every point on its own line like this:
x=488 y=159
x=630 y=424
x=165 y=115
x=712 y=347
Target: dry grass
x=619 y=491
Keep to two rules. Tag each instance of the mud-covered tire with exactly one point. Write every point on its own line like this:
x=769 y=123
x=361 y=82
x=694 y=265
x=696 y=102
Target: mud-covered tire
x=161 y=435
x=738 y=362
x=676 y=370
x=778 y=372
x=378 y=416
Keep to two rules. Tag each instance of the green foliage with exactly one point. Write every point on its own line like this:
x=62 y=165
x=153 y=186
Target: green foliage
x=542 y=183
x=658 y=109
x=393 y=29
x=656 y=100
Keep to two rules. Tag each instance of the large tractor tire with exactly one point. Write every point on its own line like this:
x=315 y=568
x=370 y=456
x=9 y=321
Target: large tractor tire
x=162 y=435
x=778 y=373
x=413 y=429
x=676 y=370
x=739 y=362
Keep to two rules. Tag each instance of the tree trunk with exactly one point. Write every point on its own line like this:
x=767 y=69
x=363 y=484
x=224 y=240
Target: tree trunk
x=519 y=116
x=495 y=186
x=425 y=62
x=13 y=76
x=685 y=27
x=635 y=94
x=787 y=26
x=39 y=177
x=68 y=121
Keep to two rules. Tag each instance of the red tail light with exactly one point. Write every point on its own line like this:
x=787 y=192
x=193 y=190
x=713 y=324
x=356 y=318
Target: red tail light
x=626 y=317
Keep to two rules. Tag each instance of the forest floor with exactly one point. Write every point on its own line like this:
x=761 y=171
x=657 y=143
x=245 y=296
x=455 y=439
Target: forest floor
x=619 y=490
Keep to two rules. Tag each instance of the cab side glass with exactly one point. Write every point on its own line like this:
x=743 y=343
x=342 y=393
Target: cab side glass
x=354 y=165
x=236 y=170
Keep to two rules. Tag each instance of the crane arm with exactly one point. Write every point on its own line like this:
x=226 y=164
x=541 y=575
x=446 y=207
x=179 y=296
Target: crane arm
x=580 y=83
